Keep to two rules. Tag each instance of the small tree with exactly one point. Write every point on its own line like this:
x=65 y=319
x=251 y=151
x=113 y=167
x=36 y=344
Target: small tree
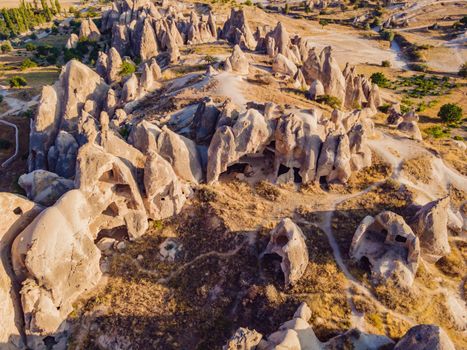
x=6 y=47
x=30 y=47
x=127 y=68
x=379 y=79
x=463 y=70
x=385 y=63
x=28 y=63
x=17 y=82
x=450 y=113
x=323 y=22
x=387 y=35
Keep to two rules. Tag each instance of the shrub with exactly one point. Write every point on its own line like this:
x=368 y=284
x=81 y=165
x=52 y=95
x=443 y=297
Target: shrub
x=28 y=63
x=463 y=70
x=387 y=35
x=210 y=59
x=437 y=132
x=331 y=101
x=127 y=68
x=450 y=113
x=323 y=22
x=286 y=9
x=248 y=3
x=418 y=67
x=30 y=47
x=6 y=47
x=385 y=63
x=380 y=79
x=17 y=82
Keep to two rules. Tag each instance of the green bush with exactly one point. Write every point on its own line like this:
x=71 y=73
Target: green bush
x=323 y=22
x=17 y=82
x=30 y=47
x=437 y=132
x=380 y=79
x=463 y=70
x=127 y=68
x=248 y=3
x=385 y=63
x=450 y=113
x=331 y=101
x=28 y=63
x=418 y=67
x=387 y=35
x=6 y=47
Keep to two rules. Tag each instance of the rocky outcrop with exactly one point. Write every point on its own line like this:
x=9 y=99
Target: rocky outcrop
x=237 y=31
x=130 y=89
x=237 y=62
x=44 y=187
x=389 y=246
x=89 y=30
x=205 y=121
x=278 y=42
x=148 y=47
x=283 y=65
x=316 y=89
x=17 y=214
x=243 y=339
x=287 y=241
x=72 y=41
x=165 y=193
x=56 y=260
x=114 y=66
x=430 y=224
x=425 y=337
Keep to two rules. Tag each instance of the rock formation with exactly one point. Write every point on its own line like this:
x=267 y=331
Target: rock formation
x=287 y=241
x=89 y=30
x=237 y=31
x=72 y=41
x=283 y=65
x=424 y=337
x=237 y=62
x=389 y=246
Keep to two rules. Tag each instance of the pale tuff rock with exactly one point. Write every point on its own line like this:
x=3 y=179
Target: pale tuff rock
x=407 y=123
x=283 y=65
x=110 y=186
x=60 y=109
x=61 y=157
x=114 y=66
x=143 y=135
x=148 y=78
x=411 y=129
x=299 y=81
x=17 y=213
x=148 y=45
x=120 y=38
x=334 y=159
x=221 y=153
x=287 y=241
x=359 y=340
x=237 y=31
x=316 y=89
x=182 y=154
x=44 y=187
x=130 y=89
x=243 y=339
x=101 y=64
x=278 y=42
x=165 y=193
x=297 y=145
x=389 y=245
x=430 y=224
x=89 y=30
x=72 y=41
x=359 y=149
x=111 y=102
x=425 y=337
x=237 y=62
x=54 y=275
x=332 y=77
x=200 y=31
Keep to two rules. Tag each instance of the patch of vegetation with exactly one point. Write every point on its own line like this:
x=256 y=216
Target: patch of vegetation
x=206 y=195
x=331 y=101
x=267 y=190
x=450 y=113
x=28 y=63
x=6 y=47
x=210 y=59
x=127 y=68
x=380 y=79
x=17 y=82
x=437 y=132
x=422 y=85
x=418 y=67
x=387 y=35
x=385 y=63
x=463 y=70
x=30 y=47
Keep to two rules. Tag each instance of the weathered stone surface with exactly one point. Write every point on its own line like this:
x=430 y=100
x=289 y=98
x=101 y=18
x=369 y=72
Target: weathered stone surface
x=44 y=187
x=283 y=65
x=72 y=41
x=316 y=89
x=101 y=64
x=165 y=193
x=237 y=62
x=411 y=129
x=389 y=245
x=89 y=30
x=17 y=213
x=148 y=47
x=356 y=339
x=143 y=135
x=205 y=121
x=430 y=224
x=56 y=260
x=114 y=66
x=243 y=339
x=61 y=157
x=237 y=30
x=130 y=89
x=425 y=337
x=110 y=186
x=287 y=241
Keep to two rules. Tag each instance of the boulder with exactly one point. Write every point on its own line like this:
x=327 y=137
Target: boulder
x=283 y=65
x=237 y=62
x=205 y=121
x=243 y=339
x=316 y=89
x=56 y=260
x=89 y=30
x=114 y=66
x=237 y=31
x=165 y=193
x=287 y=241
x=388 y=244
x=143 y=135
x=72 y=41
x=44 y=187
x=61 y=157
x=17 y=214
x=430 y=224
x=130 y=89
x=411 y=129
x=425 y=337
x=101 y=64
x=148 y=47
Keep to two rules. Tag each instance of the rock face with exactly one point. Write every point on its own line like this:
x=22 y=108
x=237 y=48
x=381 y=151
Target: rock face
x=243 y=339
x=56 y=260
x=237 y=62
x=237 y=31
x=287 y=241
x=389 y=246
x=430 y=224
x=89 y=30
x=425 y=337
x=72 y=41
x=44 y=187
x=17 y=213
x=165 y=193
x=148 y=45
x=283 y=65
